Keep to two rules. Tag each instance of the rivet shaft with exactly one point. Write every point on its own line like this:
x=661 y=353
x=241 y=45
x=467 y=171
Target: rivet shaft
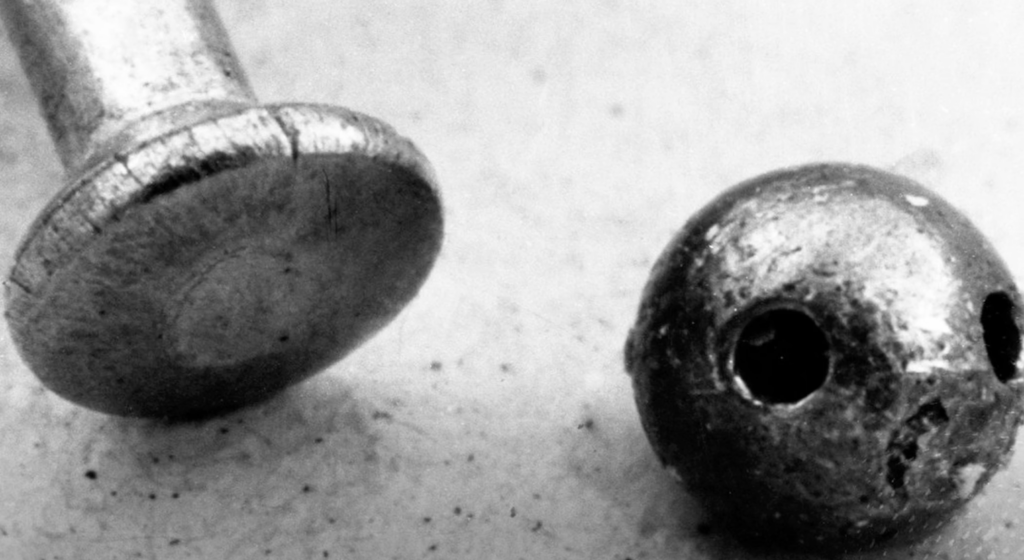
x=103 y=71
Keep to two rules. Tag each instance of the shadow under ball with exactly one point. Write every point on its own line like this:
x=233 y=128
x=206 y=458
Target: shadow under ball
x=207 y=251
x=828 y=357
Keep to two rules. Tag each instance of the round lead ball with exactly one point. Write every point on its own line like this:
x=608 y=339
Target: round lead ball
x=828 y=358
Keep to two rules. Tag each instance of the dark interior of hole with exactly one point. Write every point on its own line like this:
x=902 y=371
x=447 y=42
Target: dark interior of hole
x=782 y=356
x=1002 y=336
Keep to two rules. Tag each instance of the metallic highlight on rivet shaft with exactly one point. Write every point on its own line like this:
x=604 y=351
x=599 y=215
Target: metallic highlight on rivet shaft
x=98 y=67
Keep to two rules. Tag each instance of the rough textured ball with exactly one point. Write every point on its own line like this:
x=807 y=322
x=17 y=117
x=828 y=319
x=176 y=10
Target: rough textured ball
x=828 y=357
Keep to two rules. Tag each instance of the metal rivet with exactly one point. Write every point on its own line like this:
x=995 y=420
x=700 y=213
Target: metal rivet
x=206 y=251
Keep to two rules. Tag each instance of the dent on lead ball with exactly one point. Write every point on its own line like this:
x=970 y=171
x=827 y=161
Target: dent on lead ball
x=828 y=357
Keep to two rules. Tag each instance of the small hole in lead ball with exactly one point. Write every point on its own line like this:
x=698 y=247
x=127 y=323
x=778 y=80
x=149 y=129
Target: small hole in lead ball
x=1001 y=334
x=781 y=356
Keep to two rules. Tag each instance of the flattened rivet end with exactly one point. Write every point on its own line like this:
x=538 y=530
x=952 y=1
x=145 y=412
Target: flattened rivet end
x=224 y=270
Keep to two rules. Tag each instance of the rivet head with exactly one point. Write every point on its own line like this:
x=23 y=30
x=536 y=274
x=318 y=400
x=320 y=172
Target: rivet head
x=199 y=290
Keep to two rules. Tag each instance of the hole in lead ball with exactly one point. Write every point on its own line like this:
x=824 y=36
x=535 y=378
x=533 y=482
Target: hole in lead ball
x=782 y=356
x=1002 y=336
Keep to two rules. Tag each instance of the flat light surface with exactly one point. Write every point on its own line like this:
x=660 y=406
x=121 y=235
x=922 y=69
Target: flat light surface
x=493 y=418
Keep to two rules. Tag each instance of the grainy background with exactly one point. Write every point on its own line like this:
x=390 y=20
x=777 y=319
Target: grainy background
x=493 y=419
